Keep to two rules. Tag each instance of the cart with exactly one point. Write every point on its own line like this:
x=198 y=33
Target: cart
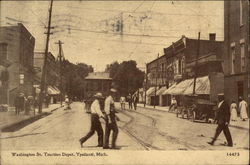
x=204 y=110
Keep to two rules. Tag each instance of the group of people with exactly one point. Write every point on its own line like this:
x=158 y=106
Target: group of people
x=132 y=101
x=110 y=118
x=23 y=103
x=242 y=110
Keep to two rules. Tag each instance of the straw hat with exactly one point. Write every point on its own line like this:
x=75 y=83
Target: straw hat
x=113 y=90
x=98 y=95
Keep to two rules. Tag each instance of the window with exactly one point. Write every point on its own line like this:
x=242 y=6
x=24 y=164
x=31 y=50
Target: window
x=183 y=64
x=180 y=67
x=242 y=55
x=233 y=60
x=3 y=51
x=241 y=12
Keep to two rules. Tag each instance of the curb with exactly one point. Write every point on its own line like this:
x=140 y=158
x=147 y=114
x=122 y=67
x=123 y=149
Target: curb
x=57 y=108
x=234 y=126
x=30 y=119
x=19 y=123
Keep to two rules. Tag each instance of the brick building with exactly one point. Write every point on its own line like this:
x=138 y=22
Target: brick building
x=97 y=82
x=17 y=47
x=52 y=74
x=236 y=52
x=177 y=64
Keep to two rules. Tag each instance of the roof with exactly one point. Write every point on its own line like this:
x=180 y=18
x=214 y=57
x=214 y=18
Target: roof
x=98 y=76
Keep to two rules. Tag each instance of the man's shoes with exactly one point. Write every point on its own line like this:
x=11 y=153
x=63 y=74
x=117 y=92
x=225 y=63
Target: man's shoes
x=230 y=145
x=99 y=145
x=115 y=148
x=106 y=147
x=211 y=143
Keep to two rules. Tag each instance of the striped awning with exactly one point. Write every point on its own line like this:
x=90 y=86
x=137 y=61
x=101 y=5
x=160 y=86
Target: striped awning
x=53 y=90
x=161 y=90
x=186 y=87
x=151 y=91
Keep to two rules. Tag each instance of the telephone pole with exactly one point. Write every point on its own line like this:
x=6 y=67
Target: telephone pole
x=41 y=95
x=145 y=85
x=156 y=80
x=196 y=61
x=61 y=58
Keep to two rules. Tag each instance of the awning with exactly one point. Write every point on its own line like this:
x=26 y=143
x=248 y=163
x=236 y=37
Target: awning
x=161 y=90
x=186 y=87
x=151 y=91
x=181 y=87
x=202 y=86
x=53 y=91
x=168 y=91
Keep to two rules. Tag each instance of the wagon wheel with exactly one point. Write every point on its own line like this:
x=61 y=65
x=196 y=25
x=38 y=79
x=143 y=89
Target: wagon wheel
x=182 y=113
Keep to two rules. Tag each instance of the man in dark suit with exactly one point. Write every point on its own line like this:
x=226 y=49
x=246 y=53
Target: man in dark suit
x=223 y=118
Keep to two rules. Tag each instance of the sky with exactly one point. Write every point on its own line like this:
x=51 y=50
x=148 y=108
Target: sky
x=90 y=30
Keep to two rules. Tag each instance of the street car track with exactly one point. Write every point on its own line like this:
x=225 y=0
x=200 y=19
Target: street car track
x=125 y=128
x=186 y=145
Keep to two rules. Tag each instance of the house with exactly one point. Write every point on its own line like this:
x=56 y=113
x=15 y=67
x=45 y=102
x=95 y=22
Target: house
x=97 y=82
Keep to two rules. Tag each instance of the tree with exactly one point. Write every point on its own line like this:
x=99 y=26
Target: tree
x=126 y=76
x=73 y=78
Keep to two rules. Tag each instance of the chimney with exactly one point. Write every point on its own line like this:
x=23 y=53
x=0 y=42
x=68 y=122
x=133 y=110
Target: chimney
x=212 y=36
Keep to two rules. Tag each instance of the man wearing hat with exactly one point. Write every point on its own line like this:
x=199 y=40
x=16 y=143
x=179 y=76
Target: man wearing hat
x=110 y=120
x=96 y=113
x=223 y=118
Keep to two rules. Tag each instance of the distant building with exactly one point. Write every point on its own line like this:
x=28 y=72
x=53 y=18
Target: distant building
x=236 y=52
x=52 y=74
x=177 y=64
x=17 y=49
x=97 y=82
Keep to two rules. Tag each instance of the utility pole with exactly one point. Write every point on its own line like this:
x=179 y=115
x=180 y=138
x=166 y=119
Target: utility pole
x=156 y=79
x=41 y=95
x=196 y=61
x=121 y=25
x=60 y=57
x=145 y=88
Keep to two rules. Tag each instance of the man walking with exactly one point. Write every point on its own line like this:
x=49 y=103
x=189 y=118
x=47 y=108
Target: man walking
x=122 y=102
x=135 y=100
x=96 y=113
x=129 y=101
x=110 y=120
x=223 y=118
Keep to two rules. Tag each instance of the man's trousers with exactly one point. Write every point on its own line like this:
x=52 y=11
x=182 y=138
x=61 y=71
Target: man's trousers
x=225 y=129
x=95 y=126
x=111 y=126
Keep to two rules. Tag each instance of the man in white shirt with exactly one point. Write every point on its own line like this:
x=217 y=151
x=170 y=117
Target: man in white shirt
x=96 y=113
x=122 y=101
x=111 y=125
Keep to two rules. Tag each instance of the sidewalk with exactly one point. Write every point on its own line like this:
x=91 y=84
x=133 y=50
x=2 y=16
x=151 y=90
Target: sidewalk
x=238 y=124
x=8 y=118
